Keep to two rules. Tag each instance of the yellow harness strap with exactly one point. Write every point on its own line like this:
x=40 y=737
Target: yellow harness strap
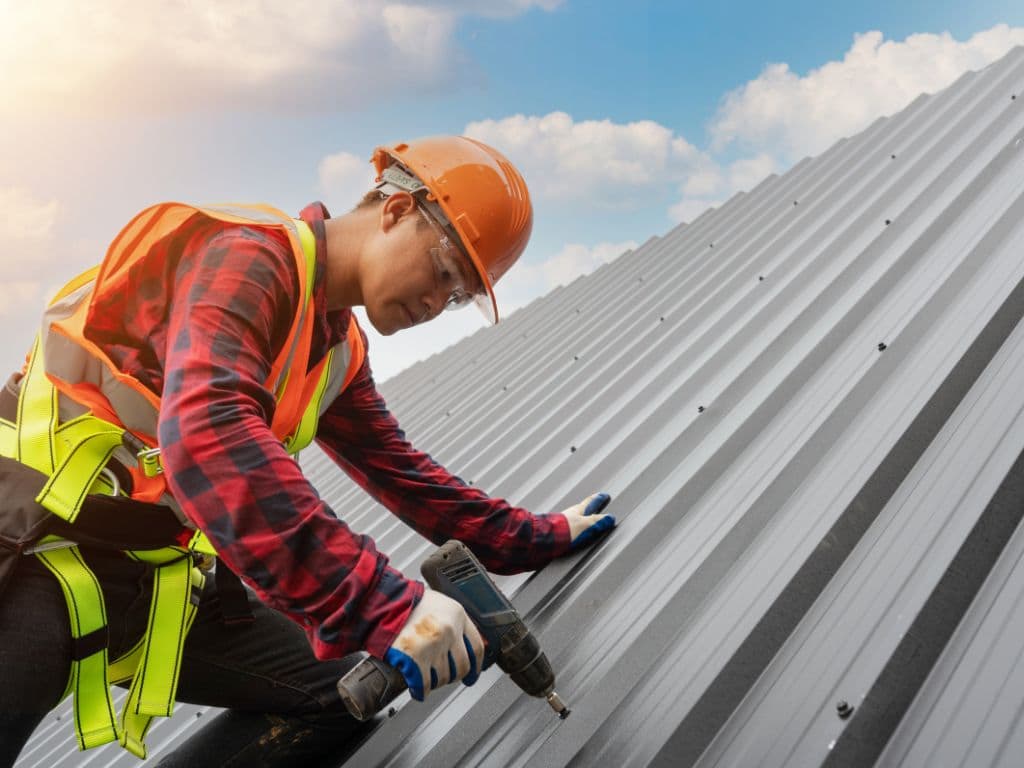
x=177 y=587
x=73 y=455
x=93 y=708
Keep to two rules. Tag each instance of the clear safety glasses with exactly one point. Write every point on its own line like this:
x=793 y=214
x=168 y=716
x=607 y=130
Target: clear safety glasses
x=450 y=268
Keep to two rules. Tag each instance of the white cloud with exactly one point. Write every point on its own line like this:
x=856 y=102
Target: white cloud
x=19 y=296
x=594 y=160
x=712 y=184
x=26 y=231
x=168 y=55
x=618 y=165
x=25 y=217
x=344 y=179
x=791 y=116
x=526 y=281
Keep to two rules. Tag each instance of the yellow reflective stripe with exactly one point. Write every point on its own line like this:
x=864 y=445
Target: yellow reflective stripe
x=37 y=416
x=306 y=430
x=86 y=277
x=308 y=242
x=72 y=455
x=95 y=722
x=172 y=611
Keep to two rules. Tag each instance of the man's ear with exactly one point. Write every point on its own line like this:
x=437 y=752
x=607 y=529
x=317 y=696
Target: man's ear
x=395 y=207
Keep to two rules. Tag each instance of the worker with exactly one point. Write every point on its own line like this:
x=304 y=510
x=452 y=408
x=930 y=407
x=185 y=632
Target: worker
x=146 y=463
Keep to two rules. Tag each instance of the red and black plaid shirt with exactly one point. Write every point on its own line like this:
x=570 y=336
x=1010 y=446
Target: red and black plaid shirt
x=202 y=328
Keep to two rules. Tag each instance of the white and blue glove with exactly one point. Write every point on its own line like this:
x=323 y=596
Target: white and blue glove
x=439 y=644
x=586 y=523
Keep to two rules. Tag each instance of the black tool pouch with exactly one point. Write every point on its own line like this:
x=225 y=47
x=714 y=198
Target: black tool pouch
x=104 y=522
x=22 y=520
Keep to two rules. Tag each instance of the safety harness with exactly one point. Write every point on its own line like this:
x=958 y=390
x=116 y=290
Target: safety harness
x=75 y=456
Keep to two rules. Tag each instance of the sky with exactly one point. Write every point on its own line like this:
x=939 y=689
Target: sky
x=626 y=119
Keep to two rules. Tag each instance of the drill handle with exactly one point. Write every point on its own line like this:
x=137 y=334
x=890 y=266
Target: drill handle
x=369 y=687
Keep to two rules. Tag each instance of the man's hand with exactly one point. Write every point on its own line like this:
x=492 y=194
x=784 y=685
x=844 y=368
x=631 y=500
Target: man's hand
x=438 y=645
x=586 y=523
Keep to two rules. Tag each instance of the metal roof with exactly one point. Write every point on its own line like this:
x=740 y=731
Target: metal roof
x=808 y=405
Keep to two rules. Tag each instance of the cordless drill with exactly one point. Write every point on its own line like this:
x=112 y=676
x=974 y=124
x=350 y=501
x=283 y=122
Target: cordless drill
x=454 y=571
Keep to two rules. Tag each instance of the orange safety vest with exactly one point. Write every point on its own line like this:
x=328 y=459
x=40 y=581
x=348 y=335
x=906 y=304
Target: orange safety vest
x=77 y=410
x=87 y=379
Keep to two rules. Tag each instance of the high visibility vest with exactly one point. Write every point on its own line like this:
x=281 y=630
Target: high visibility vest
x=77 y=411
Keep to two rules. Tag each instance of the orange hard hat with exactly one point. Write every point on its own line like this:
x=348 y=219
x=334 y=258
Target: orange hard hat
x=475 y=193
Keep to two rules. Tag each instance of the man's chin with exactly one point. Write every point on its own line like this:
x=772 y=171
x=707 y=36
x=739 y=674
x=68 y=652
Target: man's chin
x=385 y=326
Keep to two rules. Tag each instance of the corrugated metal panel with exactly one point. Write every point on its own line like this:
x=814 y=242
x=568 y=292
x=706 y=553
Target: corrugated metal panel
x=809 y=407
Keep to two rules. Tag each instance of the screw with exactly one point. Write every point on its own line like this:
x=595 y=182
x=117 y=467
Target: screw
x=711 y=245
x=888 y=222
x=795 y=202
x=392 y=712
x=505 y=388
x=700 y=409
x=575 y=357
x=198 y=715
x=843 y=709
x=760 y=278
x=882 y=346
x=572 y=449
x=661 y=319
x=892 y=157
x=1013 y=97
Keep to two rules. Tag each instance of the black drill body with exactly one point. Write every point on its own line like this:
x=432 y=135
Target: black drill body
x=454 y=571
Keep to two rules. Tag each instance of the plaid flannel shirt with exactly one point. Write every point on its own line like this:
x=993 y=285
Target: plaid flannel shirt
x=201 y=328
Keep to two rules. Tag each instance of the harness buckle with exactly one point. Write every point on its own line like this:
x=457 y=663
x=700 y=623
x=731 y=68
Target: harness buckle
x=149 y=462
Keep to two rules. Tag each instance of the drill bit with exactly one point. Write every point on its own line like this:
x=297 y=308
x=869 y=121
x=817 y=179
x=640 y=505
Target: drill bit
x=557 y=705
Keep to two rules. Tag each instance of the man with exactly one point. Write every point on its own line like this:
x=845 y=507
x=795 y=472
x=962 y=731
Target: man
x=152 y=429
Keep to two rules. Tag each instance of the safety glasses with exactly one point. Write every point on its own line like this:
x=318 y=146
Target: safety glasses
x=450 y=269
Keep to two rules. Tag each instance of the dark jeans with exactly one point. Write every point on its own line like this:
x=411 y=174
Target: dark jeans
x=284 y=708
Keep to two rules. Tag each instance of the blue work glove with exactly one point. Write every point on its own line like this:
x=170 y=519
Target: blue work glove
x=439 y=644
x=586 y=523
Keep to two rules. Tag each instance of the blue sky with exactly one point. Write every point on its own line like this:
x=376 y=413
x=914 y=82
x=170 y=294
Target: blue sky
x=626 y=118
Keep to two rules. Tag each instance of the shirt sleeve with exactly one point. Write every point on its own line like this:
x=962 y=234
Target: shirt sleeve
x=234 y=300
x=362 y=436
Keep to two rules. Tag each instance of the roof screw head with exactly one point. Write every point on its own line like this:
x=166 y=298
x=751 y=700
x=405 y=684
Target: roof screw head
x=795 y=202
x=843 y=709
x=892 y=157
x=888 y=222
x=504 y=388
x=700 y=409
x=882 y=346
x=661 y=319
x=711 y=245
x=572 y=449
x=760 y=278
x=392 y=711
x=1013 y=97
x=575 y=357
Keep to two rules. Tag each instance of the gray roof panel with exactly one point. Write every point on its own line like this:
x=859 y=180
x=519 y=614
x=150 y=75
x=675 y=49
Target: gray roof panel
x=808 y=406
